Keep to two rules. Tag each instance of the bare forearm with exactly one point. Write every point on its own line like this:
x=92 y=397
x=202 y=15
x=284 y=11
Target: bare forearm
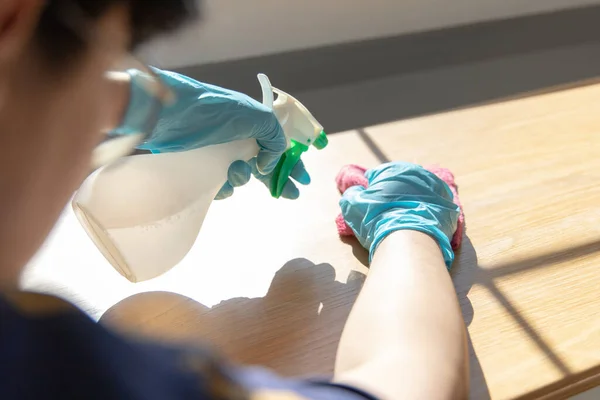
x=405 y=337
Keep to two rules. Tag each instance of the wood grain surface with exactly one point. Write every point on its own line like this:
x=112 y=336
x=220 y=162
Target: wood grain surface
x=269 y=282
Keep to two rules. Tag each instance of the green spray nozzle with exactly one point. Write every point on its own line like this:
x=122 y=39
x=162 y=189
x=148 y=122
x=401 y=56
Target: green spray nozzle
x=288 y=161
x=301 y=130
x=321 y=141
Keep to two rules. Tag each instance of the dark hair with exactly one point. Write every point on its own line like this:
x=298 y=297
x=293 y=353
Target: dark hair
x=59 y=42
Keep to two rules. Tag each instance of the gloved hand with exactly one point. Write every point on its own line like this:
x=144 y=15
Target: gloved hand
x=401 y=196
x=240 y=171
x=204 y=115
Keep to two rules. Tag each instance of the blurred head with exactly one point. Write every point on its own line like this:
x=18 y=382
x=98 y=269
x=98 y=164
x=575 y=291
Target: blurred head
x=55 y=102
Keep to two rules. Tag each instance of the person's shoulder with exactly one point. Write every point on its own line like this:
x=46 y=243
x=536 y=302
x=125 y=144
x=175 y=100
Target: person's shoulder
x=35 y=305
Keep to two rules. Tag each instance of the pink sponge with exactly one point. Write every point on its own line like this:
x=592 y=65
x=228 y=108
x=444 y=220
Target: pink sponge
x=354 y=175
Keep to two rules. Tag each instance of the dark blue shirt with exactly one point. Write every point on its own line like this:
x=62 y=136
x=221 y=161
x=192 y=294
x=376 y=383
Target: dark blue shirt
x=51 y=350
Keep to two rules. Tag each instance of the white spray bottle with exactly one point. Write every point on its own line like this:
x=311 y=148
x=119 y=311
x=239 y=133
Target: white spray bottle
x=144 y=212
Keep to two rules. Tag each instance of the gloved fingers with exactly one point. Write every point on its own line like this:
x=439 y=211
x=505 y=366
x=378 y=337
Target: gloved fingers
x=254 y=169
x=272 y=145
x=354 y=213
x=389 y=170
x=413 y=178
x=290 y=191
x=404 y=172
x=300 y=174
x=225 y=192
x=350 y=198
x=266 y=161
x=239 y=173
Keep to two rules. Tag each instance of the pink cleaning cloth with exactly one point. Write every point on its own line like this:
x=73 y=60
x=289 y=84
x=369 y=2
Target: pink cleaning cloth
x=354 y=175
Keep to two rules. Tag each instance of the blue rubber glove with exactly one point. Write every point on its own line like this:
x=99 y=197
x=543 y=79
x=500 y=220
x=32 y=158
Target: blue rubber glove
x=204 y=115
x=401 y=196
x=239 y=174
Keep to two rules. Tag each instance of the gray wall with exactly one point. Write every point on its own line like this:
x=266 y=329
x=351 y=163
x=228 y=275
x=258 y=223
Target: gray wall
x=235 y=29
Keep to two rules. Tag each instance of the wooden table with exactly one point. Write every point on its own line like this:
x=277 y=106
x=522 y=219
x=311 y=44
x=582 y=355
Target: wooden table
x=270 y=282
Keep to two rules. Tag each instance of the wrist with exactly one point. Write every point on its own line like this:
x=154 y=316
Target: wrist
x=416 y=226
x=407 y=235
x=408 y=244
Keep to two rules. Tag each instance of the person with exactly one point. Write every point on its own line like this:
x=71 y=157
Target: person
x=63 y=109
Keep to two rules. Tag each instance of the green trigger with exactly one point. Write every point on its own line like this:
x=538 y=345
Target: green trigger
x=284 y=167
x=288 y=161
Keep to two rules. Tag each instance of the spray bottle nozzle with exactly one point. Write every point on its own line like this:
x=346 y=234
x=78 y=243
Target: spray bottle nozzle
x=299 y=126
x=321 y=141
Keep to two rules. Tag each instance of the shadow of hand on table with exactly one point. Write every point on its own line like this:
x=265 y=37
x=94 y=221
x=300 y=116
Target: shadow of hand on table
x=294 y=329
